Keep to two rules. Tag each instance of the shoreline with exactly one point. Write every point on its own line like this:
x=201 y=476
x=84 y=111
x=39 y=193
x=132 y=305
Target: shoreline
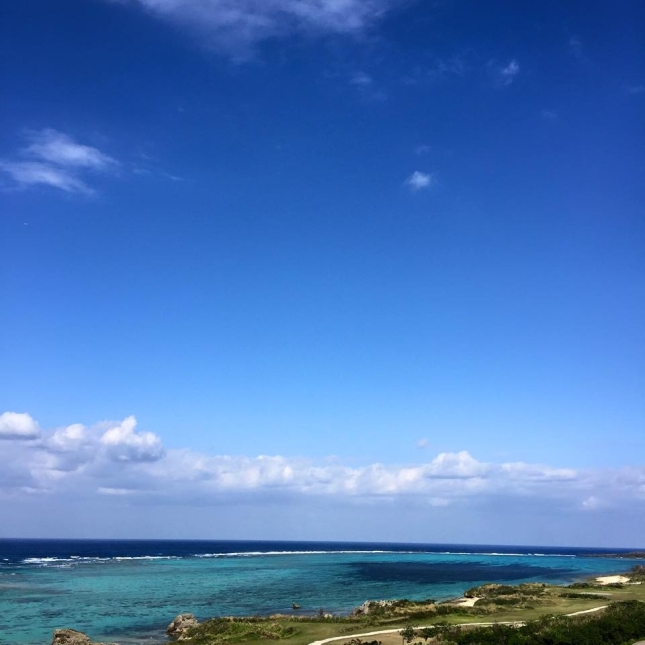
x=505 y=604
x=147 y=627
x=459 y=611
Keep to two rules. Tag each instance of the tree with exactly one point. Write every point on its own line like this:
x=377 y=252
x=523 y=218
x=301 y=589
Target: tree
x=408 y=634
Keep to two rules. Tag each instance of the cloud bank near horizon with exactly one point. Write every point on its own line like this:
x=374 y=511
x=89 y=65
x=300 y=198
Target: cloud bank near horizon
x=114 y=458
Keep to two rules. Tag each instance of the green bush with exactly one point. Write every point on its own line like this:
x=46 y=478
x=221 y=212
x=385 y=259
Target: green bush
x=620 y=623
x=228 y=630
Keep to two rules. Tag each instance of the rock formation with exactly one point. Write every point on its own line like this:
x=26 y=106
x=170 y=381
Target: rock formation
x=180 y=626
x=365 y=608
x=71 y=637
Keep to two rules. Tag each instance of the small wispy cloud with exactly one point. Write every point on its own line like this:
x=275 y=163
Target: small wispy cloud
x=419 y=181
x=54 y=159
x=361 y=79
x=58 y=148
x=508 y=73
x=591 y=503
x=367 y=87
x=575 y=43
x=238 y=26
x=422 y=444
x=422 y=149
x=549 y=115
x=26 y=174
x=438 y=70
x=636 y=89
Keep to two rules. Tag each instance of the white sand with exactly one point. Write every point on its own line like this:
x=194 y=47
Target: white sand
x=611 y=580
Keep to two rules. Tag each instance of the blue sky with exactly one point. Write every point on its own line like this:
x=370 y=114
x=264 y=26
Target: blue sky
x=397 y=248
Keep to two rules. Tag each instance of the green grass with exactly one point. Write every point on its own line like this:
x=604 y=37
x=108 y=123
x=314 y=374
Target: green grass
x=498 y=604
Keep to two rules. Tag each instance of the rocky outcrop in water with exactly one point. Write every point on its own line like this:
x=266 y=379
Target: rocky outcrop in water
x=72 y=637
x=179 y=627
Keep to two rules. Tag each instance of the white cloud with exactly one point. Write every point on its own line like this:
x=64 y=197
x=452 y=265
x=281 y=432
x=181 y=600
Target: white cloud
x=55 y=147
x=54 y=159
x=591 y=503
x=238 y=25
x=455 y=465
x=508 y=73
x=366 y=86
x=419 y=180
x=123 y=443
x=636 y=89
x=26 y=174
x=114 y=491
x=115 y=460
x=18 y=425
x=422 y=444
x=68 y=439
x=533 y=472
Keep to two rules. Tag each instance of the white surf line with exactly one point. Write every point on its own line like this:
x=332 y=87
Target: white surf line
x=393 y=631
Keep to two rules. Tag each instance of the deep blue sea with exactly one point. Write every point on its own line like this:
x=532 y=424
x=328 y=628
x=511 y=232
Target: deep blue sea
x=127 y=591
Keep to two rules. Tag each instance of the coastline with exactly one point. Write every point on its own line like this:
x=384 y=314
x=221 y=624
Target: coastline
x=131 y=589
x=489 y=604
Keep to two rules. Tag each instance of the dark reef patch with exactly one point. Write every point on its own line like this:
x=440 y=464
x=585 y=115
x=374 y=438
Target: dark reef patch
x=451 y=572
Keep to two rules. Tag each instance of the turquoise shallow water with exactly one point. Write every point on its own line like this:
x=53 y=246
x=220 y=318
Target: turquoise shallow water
x=131 y=598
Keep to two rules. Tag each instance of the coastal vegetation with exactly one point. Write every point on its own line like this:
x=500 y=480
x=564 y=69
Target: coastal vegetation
x=536 y=611
x=620 y=623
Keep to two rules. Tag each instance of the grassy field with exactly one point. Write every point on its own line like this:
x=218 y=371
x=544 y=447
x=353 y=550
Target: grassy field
x=497 y=603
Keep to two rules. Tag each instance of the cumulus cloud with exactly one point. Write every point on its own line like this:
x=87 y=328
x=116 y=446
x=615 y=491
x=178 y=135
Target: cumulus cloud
x=123 y=443
x=18 y=425
x=54 y=159
x=419 y=180
x=68 y=439
x=237 y=26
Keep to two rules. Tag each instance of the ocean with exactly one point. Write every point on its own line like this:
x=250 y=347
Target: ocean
x=127 y=591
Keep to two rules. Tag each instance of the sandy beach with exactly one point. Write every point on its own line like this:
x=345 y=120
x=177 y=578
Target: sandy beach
x=612 y=580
